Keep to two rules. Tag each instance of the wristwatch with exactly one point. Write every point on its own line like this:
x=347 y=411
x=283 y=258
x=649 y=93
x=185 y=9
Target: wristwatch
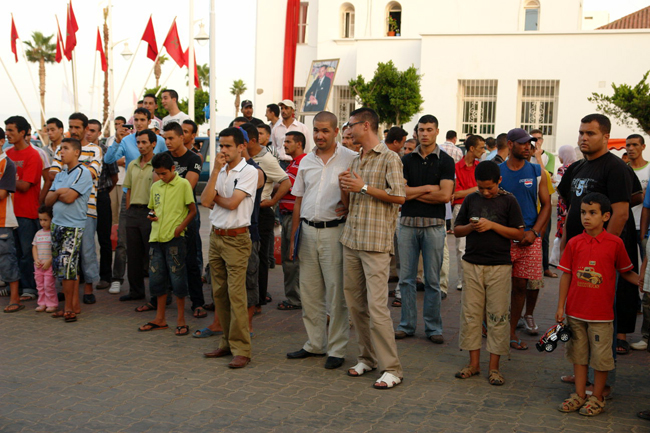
x=536 y=233
x=364 y=190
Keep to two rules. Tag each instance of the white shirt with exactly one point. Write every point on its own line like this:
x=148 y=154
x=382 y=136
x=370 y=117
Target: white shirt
x=278 y=133
x=178 y=118
x=643 y=173
x=271 y=167
x=244 y=178
x=318 y=184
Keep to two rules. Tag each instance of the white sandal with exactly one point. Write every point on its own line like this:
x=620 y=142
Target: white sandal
x=360 y=369
x=389 y=379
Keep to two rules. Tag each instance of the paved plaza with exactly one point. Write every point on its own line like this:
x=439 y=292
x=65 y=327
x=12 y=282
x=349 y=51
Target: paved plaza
x=101 y=375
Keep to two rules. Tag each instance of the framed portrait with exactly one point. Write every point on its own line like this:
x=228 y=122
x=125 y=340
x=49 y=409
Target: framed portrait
x=319 y=86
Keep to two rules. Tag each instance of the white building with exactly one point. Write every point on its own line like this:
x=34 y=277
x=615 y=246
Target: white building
x=488 y=66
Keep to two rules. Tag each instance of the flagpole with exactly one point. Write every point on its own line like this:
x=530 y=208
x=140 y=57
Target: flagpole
x=92 y=93
x=63 y=58
x=17 y=92
x=147 y=80
x=190 y=66
x=75 y=82
x=122 y=86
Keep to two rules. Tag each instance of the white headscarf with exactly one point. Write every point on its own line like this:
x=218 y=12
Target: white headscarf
x=567 y=154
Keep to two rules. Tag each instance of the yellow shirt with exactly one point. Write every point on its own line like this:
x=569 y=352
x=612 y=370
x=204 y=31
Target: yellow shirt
x=170 y=202
x=139 y=179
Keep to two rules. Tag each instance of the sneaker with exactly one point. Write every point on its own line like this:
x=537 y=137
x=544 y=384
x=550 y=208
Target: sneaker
x=115 y=288
x=530 y=325
x=3 y=283
x=640 y=345
x=521 y=324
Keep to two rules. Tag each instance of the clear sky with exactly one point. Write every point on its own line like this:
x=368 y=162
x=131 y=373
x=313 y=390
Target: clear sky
x=235 y=50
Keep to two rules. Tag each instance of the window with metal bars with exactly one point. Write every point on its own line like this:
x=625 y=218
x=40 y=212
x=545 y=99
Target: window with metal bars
x=538 y=100
x=477 y=102
x=299 y=100
x=302 y=23
x=344 y=103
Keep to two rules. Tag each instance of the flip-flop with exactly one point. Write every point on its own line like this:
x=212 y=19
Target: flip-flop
x=518 y=345
x=200 y=313
x=396 y=303
x=152 y=327
x=624 y=347
x=27 y=297
x=146 y=307
x=205 y=333
x=182 y=330
x=18 y=307
x=286 y=306
x=69 y=316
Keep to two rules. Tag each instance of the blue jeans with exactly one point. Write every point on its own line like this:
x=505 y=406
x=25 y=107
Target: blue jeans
x=431 y=241
x=89 y=264
x=23 y=237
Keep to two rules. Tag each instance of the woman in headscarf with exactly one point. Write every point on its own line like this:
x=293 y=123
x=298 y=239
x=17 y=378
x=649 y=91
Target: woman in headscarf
x=567 y=157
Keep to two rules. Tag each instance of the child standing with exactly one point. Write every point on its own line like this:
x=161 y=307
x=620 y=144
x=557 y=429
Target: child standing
x=588 y=287
x=490 y=218
x=68 y=197
x=42 y=252
x=172 y=208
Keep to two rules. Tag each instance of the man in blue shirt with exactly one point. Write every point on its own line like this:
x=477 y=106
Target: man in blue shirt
x=122 y=145
x=528 y=183
x=69 y=196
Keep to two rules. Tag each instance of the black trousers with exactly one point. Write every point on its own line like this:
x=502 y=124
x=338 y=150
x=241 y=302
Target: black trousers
x=193 y=265
x=138 y=229
x=104 y=226
x=265 y=226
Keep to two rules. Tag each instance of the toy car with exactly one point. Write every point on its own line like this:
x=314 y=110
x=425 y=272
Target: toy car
x=548 y=342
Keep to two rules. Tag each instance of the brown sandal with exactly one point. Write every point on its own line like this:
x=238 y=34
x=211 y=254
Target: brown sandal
x=572 y=404
x=496 y=378
x=467 y=372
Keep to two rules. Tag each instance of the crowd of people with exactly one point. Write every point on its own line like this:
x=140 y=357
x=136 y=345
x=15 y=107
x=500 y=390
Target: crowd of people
x=350 y=215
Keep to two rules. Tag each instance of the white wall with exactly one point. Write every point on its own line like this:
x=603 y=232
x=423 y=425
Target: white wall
x=582 y=62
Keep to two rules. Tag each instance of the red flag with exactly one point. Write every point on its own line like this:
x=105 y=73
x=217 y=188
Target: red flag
x=70 y=33
x=173 y=46
x=149 y=37
x=99 y=47
x=186 y=55
x=14 y=36
x=60 y=49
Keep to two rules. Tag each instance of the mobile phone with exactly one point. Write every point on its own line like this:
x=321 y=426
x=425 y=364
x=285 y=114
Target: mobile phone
x=152 y=214
x=474 y=219
x=128 y=126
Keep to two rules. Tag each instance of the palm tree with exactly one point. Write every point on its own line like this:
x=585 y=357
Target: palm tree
x=237 y=89
x=204 y=76
x=41 y=50
x=157 y=70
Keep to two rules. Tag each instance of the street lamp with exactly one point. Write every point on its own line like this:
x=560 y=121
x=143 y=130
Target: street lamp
x=126 y=52
x=202 y=38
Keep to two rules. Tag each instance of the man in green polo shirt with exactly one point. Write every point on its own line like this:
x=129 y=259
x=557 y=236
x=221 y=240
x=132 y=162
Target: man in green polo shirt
x=138 y=180
x=172 y=209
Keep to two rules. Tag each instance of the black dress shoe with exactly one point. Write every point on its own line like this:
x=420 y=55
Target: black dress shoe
x=302 y=353
x=130 y=298
x=89 y=299
x=333 y=362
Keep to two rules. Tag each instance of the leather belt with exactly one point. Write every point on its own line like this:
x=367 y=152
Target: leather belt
x=230 y=232
x=324 y=224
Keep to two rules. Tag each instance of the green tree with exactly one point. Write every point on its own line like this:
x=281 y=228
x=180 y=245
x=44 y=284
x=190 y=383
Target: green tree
x=40 y=50
x=393 y=94
x=201 y=99
x=629 y=106
x=204 y=75
x=238 y=88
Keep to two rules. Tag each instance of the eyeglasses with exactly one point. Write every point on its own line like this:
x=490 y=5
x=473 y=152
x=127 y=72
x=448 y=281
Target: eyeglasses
x=355 y=123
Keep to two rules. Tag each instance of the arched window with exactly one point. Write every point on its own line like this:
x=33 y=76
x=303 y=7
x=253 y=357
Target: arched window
x=347 y=20
x=394 y=17
x=531 y=15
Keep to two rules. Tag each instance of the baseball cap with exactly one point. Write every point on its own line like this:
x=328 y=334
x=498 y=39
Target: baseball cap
x=287 y=103
x=246 y=103
x=520 y=136
x=243 y=131
x=154 y=124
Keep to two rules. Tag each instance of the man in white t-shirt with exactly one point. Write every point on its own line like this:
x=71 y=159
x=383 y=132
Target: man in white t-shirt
x=231 y=190
x=169 y=101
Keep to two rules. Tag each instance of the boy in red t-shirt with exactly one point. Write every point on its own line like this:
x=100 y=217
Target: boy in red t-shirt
x=588 y=286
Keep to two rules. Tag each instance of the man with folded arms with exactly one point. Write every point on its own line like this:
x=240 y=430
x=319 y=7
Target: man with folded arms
x=320 y=252
x=232 y=188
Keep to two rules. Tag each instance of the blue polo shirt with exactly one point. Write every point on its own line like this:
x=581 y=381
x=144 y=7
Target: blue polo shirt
x=72 y=214
x=523 y=184
x=128 y=148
